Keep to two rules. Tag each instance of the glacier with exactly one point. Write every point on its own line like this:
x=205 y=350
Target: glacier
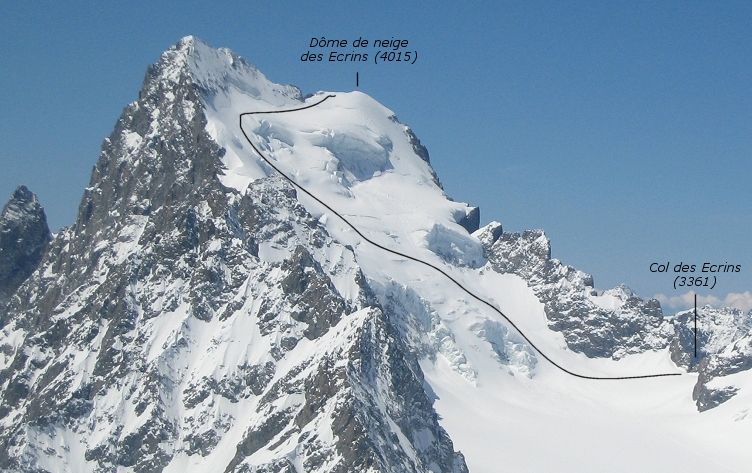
x=205 y=314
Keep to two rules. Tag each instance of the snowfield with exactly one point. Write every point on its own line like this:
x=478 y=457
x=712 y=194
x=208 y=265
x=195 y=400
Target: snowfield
x=205 y=315
x=519 y=414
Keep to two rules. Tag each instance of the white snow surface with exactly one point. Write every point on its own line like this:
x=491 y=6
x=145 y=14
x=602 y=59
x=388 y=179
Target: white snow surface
x=504 y=406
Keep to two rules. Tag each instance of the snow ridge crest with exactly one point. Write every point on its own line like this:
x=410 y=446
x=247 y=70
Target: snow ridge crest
x=215 y=70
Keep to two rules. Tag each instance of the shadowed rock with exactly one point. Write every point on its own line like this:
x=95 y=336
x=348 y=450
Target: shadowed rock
x=24 y=236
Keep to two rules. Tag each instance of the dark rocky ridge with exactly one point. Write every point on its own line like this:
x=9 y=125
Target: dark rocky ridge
x=587 y=328
x=24 y=236
x=724 y=347
x=158 y=235
x=724 y=335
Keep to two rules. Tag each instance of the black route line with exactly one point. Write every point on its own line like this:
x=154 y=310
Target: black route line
x=695 y=324
x=412 y=258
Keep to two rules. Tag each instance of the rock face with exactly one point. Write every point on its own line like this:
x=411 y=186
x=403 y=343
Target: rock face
x=724 y=347
x=471 y=220
x=24 y=236
x=613 y=324
x=187 y=322
x=181 y=322
x=617 y=322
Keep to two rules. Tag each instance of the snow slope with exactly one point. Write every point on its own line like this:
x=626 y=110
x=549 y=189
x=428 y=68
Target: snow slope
x=505 y=407
x=218 y=317
x=351 y=153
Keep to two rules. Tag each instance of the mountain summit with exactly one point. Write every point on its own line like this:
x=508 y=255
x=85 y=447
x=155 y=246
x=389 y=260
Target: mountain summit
x=262 y=282
x=197 y=314
x=24 y=236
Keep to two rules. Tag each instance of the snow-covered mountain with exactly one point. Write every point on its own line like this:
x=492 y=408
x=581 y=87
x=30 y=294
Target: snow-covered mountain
x=207 y=313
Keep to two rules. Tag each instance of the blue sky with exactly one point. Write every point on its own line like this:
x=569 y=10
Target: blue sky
x=624 y=129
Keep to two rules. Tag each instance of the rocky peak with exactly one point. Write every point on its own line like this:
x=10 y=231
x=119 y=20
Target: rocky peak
x=612 y=324
x=724 y=347
x=216 y=326
x=24 y=236
x=215 y=70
